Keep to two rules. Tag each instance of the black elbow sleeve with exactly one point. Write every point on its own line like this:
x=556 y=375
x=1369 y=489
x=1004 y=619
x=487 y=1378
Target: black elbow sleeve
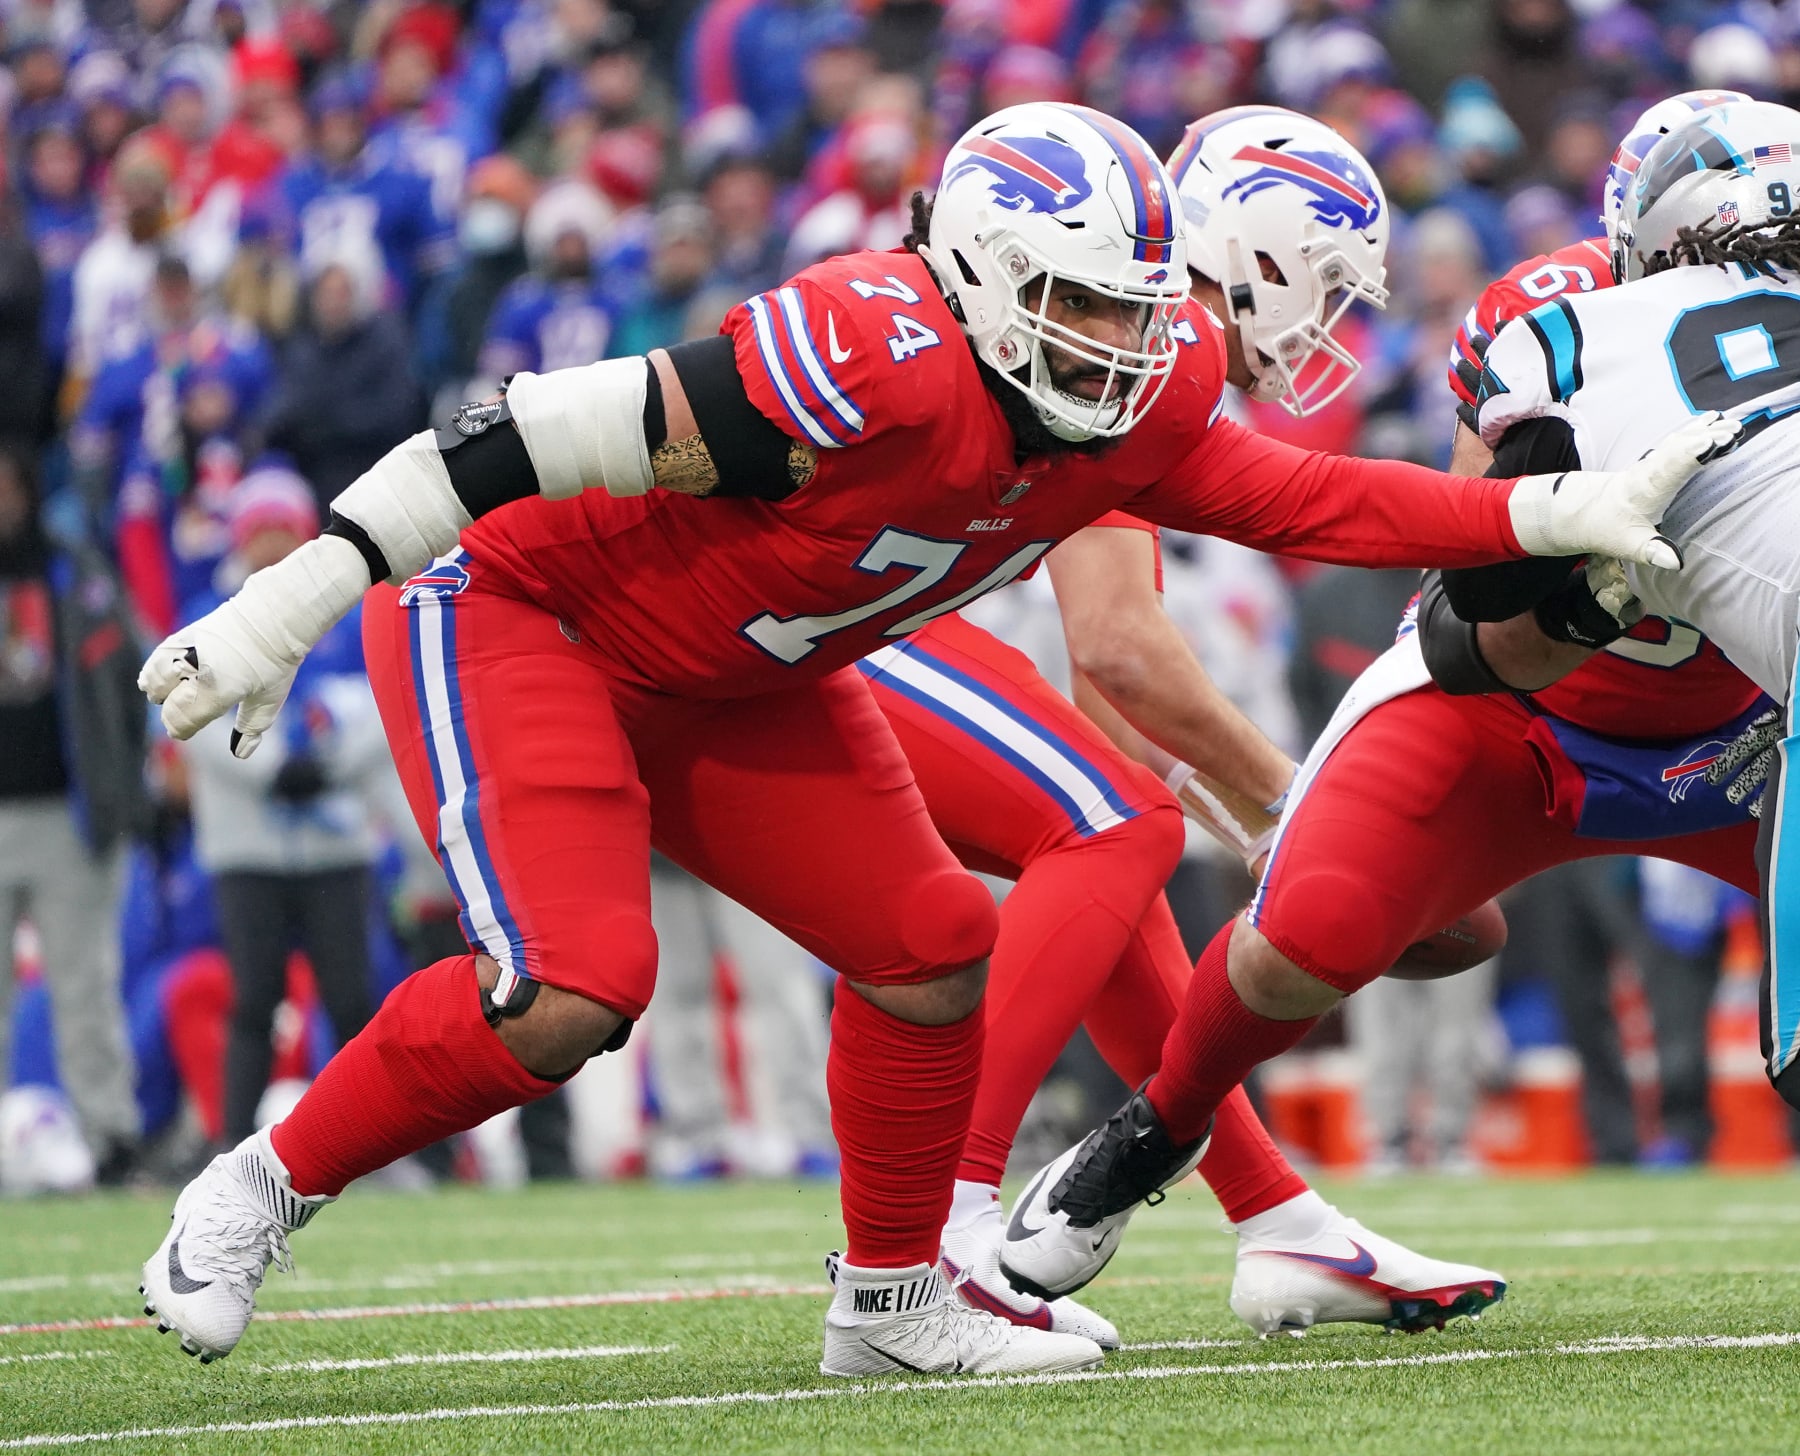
x=1494 y=593
x=486 y=458
x=1450 y=645
x=748 y=451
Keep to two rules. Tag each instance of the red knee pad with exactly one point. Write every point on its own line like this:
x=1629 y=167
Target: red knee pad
x=1331 y=925
x=948 y=922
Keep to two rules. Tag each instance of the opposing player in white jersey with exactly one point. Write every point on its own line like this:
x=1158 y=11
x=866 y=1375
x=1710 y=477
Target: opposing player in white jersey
x=1708 y=241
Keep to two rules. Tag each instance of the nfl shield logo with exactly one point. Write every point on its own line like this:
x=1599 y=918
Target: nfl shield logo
x=1728 y=214
x=1015 y=492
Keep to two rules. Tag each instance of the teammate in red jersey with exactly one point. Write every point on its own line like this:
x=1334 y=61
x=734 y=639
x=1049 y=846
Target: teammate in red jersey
x=649 y=637
x=1023 y=784
x=1494 y=788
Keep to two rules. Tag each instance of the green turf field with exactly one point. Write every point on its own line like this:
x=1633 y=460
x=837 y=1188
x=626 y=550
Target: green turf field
x=1647 y=1314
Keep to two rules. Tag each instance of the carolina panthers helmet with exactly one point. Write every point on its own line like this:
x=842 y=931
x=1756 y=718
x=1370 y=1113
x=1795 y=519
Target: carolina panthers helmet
x=1734 y=166
x=1042 y=193
x=1646 y=132
x=1288 y=219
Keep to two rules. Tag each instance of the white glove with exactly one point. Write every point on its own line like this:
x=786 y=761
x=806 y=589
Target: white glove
x=246 y=651
x=1614 y=512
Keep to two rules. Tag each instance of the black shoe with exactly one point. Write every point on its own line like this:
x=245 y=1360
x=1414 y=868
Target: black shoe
x=1068 y=1222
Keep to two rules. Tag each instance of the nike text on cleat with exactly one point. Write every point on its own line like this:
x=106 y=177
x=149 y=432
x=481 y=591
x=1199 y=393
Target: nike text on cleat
x=1068 y=1222
x=885 y=1321
x=229 y=1225
x=970 y=1259
x=1346 y=1273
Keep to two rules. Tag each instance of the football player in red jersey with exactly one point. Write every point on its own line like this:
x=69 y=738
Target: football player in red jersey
x=1020 y=783
x=1498 y=783
x=652 y=580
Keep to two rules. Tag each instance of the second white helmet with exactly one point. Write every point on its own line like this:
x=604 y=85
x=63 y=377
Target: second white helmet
x=1045 y=193
x=1288 y=219
x=1735 y=167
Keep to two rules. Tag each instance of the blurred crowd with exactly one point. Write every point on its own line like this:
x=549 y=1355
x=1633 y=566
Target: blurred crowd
x=248 y=245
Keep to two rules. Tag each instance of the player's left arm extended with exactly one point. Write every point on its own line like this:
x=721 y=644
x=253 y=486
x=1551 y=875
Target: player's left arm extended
x=1525 y=624
x=679 y=420
x=1275 y=497
x=1125 y=645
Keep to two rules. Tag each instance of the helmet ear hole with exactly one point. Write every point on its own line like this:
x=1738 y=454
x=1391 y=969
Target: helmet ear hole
x=1271 y=270
x=969 y=275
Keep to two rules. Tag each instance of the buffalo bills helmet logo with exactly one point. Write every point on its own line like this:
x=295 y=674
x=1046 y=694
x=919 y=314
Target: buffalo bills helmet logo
x=1340 y=192
x=1029 y=173
x=439 y=580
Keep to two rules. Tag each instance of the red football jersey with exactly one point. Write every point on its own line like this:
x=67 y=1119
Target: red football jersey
x=1579 y=268
x=1662 y=679
x=919 y=503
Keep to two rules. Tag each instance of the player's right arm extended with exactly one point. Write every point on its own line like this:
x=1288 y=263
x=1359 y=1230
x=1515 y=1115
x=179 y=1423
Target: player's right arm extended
x=623 y=426
x=1227 y=775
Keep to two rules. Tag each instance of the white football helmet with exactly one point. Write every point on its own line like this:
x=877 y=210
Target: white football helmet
x=1269 y=190
x=1042 y=193
x=1735 y=166
x=1646 y=132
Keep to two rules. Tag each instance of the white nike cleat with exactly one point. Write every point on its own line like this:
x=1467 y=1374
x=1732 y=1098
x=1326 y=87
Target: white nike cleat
x=1346 y=1274
x=1068 y=1222
x=229 y=1224
x=882 y=1321
x=970 y=1259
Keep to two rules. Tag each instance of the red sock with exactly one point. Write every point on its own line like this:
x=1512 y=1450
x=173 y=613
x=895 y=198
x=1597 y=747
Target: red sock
x=1215 y=1043
x=424 y=1067
x=900 y=1102
x=1243 y=1167
x=1130 y=1018
x=1062 y=931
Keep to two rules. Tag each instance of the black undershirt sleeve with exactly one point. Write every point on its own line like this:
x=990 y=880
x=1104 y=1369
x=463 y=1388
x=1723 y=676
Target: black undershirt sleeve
x=1495 y=593
x=750 y=453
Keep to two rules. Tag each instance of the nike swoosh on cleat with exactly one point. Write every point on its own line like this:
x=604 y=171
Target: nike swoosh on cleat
x=1359 y=1267
x=1017 y=1229
x=1036 y=1319
x=178 y=1277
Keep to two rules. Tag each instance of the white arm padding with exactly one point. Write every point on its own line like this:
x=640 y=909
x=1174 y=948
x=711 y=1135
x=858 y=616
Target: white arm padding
x=584 y=427
x=407 y=505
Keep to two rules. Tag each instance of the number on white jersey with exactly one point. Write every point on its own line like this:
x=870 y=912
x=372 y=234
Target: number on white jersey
x=793 y=638
x=1728 y=353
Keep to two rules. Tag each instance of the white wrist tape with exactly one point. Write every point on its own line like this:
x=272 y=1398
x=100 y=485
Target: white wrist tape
x=407 y=505
x=295 y=602
x=1233 y=818
x=585 y=427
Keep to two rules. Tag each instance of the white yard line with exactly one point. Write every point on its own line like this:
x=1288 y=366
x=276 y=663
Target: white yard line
x=468 y=1357
x=56 y=1355
x=1609 y=1345
x=412 y=1276
x=468 y=1306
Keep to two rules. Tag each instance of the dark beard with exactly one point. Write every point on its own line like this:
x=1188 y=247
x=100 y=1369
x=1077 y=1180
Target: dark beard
x=1031 y=436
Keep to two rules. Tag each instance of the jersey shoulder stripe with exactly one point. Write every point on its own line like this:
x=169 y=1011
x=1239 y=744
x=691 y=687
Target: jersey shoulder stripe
x=819 y=407
x=1558 y=333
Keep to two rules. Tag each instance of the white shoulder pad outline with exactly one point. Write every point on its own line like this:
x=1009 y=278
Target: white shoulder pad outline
x=1533 y=369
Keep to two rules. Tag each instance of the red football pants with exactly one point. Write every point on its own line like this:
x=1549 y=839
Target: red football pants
x=1431 y=805
x=543 y=781
x=1022 y=785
